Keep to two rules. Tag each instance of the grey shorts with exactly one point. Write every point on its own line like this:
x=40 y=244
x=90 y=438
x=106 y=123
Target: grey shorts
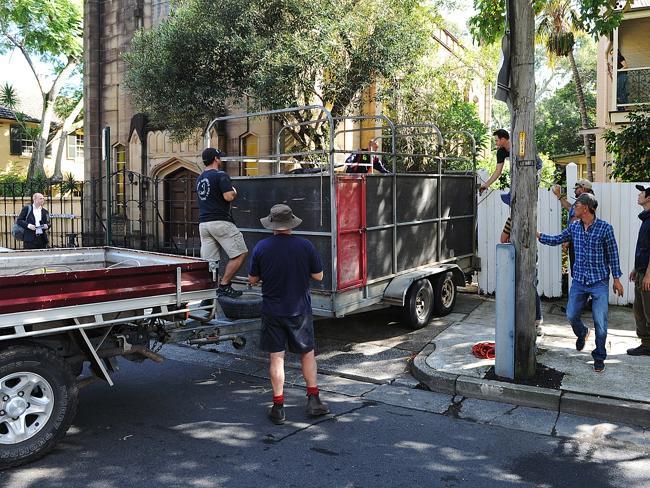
x=221 y=234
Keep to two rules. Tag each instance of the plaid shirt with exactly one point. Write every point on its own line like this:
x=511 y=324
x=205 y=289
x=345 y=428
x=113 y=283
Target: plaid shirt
x=595 y=250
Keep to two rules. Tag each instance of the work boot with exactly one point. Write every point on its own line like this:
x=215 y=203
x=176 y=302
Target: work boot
x=276 y=414
x=228 y=291
x=315 y=407
x=639 y=351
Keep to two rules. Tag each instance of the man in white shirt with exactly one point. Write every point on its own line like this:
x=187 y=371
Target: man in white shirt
x=36 y=221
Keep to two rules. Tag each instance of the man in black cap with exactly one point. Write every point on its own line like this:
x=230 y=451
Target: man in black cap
x=217 y=228
x=285 y=263
x=596 y=255
x=641 y=276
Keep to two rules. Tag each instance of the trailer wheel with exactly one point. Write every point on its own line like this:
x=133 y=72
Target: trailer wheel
x=444 y=294
x=38 y=401
x=419 y=304
x=247 y=306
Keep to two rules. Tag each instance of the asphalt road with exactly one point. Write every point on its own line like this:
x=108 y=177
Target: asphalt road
x=191 y=424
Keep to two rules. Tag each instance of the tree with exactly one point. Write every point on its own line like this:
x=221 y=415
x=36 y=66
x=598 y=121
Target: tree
x=631 y=148
x=274 y=53
x=557 y=27
x=69 y=106
x=558 y=121
x=49 y=31
x=434 y=92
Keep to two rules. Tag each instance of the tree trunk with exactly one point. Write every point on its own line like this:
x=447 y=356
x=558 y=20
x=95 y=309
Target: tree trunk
x=49 y=97
x=524 y=184
x=583 y=115
x=68 y=126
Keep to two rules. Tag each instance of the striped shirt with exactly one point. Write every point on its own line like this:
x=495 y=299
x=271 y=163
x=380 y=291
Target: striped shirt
x=596 y=252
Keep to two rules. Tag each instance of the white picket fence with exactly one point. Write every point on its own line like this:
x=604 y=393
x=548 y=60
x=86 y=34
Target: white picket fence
x=617 y=204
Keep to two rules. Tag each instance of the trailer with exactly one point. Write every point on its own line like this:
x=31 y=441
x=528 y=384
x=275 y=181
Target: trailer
x=399 y=239
x=61 y=309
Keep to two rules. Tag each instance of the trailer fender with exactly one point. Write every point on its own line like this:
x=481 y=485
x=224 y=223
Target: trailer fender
x=395 y=293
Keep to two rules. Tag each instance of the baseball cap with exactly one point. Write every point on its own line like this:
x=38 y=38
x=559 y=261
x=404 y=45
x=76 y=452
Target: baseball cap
x=646 y=189
x=586 y=184
x=588 y=200
x=209 y=154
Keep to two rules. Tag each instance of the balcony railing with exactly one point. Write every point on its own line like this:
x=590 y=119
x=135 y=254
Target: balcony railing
x=632 y=87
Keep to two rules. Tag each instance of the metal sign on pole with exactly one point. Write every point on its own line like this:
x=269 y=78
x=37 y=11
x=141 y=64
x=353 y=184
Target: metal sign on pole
x=106 y=153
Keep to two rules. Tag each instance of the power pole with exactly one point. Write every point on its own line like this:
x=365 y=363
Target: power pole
x=521 y=22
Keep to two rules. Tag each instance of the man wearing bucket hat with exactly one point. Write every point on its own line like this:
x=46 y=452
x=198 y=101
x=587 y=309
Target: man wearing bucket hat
x=217 y=228
x=641 y=276
x=596 y=255
x=285 y=263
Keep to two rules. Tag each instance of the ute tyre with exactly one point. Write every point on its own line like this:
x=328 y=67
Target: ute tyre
x=418 y=307
x=56 y=388
x=444 y=294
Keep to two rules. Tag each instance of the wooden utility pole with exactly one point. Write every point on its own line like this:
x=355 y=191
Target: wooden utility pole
x=521 y=21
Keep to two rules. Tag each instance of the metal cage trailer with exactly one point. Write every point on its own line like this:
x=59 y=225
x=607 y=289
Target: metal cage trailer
x=62 y=308
x=396 y=239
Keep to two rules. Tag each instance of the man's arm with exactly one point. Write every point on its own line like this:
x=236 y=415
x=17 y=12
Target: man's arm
x=557 y=190
x=229 y=196
x=611 y=255
x=22 y=217
x=549 y=240
x=493 y=177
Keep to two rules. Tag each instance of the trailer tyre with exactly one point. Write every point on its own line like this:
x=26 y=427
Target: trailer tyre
x=38 y=401
x=444 y=294
x=247 y=306
x=419 y=304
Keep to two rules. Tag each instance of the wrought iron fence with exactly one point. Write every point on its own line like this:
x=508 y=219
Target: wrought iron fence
x=145 y=213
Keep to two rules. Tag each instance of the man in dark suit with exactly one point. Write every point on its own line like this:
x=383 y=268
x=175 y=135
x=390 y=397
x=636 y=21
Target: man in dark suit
x=36 y=221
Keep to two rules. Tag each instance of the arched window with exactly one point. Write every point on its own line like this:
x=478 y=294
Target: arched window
x=120 y=179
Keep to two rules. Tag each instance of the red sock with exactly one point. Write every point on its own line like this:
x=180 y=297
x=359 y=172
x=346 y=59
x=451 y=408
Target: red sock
x=312 y=390
x=278 y=399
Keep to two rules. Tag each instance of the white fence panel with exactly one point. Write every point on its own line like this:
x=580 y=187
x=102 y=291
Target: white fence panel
x=617 y=204
x=492 y=214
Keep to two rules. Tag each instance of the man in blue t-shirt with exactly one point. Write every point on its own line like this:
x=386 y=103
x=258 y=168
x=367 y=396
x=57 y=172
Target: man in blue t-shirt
x=285 y=263
x=217 y=228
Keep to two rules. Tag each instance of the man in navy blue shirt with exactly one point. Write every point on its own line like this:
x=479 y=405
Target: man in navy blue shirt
x=596 y=254
x=285 y=263
x=641 y=276
x=217 y=228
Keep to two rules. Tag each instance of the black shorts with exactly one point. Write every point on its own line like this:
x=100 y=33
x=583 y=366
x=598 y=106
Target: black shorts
x=297 y=332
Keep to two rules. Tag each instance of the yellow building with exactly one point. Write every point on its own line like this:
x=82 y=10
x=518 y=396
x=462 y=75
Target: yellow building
x=577 y=158
x=16 y=148
x=621 y=87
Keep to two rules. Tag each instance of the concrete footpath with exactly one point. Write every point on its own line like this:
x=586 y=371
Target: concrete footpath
x=621 y=393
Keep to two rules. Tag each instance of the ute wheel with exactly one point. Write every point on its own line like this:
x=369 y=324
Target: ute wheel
x=38 y=401
x=444 y=294
x=418 y=307
x=247 y=306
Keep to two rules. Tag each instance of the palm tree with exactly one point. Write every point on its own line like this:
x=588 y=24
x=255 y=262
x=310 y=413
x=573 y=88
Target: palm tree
x=557 y=26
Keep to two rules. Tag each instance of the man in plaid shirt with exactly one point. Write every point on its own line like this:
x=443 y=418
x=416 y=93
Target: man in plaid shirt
x=596 y=254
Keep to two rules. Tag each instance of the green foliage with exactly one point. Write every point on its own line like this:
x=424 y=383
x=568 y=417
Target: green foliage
x=66 y=101
x=275 y=53
x=597 y=17
x=557 y=121
x=49 y=29
x=9 y=99
x=631 y=148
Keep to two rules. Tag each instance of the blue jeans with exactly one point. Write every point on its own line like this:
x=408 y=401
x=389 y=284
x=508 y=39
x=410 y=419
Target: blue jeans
x=578 y=296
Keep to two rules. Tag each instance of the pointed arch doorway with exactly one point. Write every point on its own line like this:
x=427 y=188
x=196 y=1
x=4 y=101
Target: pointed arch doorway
x=181 y=213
